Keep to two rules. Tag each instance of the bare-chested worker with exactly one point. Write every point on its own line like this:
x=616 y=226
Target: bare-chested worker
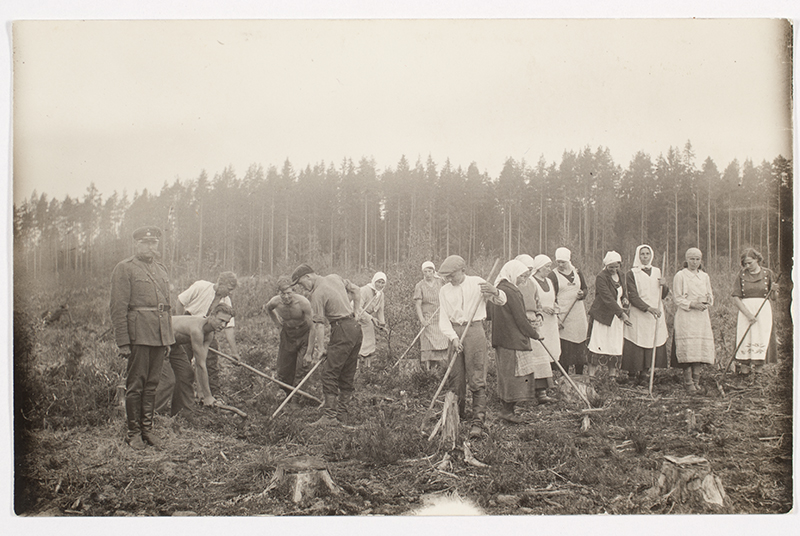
x=291 y=313
x=197 y=332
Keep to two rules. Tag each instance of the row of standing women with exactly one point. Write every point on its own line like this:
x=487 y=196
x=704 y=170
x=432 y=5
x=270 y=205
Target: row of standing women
x=545 y=320
x=628 y=321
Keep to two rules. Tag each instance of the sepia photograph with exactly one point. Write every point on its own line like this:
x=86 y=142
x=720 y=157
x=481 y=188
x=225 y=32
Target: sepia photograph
x=387 y=266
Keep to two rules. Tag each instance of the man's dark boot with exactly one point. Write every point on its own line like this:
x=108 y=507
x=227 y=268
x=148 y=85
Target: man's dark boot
x=148 y=413
x=328 y=412
x=343 y=408
x=133 y=411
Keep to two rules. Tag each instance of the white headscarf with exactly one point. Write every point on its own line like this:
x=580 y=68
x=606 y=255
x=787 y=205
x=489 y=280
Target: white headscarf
x=527 y=260
x=510 y=272
x=563 y=254
x=611 y=256
x=379 y=276
x=428 y=264
x=539 y=261
x=637 y=263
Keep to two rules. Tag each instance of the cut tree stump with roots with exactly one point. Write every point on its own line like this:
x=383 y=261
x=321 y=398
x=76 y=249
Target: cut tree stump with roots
x=688 y=480
x=584 y=384
x=448 y=423
x=302 y=477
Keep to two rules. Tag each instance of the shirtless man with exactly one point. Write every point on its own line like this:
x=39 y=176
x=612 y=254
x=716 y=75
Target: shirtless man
x=291 y=313
x=198 y=332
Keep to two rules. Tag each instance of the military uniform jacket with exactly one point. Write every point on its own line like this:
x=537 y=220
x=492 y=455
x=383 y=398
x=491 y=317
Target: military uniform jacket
x=138 y=290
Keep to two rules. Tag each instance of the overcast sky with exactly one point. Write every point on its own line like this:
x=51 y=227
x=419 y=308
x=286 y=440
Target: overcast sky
x=130 y=105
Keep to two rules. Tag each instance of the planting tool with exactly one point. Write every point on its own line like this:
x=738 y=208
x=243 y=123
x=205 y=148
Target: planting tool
x=270 y=378
x=655 y=331
x=763 y=303
x=415 y=338
x=451 y=353
x=299 y=385
x=564 y=372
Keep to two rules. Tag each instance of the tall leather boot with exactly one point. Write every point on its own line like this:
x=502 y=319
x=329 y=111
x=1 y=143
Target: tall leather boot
x=328 y=412
x=133 y=412
x=343 y=408
x=688 y=383
x=478 y=412
x=148 y=414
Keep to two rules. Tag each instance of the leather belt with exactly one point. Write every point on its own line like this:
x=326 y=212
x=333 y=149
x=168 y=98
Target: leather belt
x=462 y=324
x=334 y=322
x=162 y=307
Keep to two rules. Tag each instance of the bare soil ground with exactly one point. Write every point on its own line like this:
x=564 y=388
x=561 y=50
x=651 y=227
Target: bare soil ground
x=217 y=463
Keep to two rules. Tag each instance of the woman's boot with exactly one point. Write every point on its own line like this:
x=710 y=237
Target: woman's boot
x=507 y=413
x=688 y=384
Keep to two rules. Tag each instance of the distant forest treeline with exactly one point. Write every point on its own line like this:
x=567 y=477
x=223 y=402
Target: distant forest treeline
x=353 y=216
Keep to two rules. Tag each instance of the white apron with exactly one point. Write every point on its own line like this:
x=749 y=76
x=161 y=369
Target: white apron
x=575 y=323
x=549 y=329
x=642 y=332
x=607 y=340
x=756 y=341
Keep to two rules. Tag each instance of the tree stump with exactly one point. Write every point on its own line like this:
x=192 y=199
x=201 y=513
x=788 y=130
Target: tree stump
x=449 y=422
x=688 y=480
x=567 y=391
x=302 y=477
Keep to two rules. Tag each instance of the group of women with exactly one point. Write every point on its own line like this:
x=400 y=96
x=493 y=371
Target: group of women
x=544 y=320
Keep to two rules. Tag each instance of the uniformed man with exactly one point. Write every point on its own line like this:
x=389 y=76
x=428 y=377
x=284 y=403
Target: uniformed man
x=140 y=317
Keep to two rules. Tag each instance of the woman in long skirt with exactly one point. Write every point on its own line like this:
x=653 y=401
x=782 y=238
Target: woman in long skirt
x=750 y=290
x=542 y=371
x=648 y=328
x=433 y=343
x=372 y=299
x=511 y=337
x=570 y=286
x=608 y=316
x=693 y=340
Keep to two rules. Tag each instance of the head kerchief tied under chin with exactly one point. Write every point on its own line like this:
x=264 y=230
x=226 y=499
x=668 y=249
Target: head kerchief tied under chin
x=694 y=252
x=300 y=271
x=451 y=264
x=510 y=272
x=611 y=256
x=428 y=264
x=527 y=260
x=379 y=276
x=637 y=263
x=539 y=261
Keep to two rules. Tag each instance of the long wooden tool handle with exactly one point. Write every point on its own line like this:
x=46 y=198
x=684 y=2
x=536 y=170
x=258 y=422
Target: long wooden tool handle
x=232 y=409
x=270 y=378
x=492 y=275
x=564 y=372
x=299 y=385
x=763 y=303
x=410 y=346
x=655 y=331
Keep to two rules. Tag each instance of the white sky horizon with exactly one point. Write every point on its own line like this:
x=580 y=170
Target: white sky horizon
x=129 y=105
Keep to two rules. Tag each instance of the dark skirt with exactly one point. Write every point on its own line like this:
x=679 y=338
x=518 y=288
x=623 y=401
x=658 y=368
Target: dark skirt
x=511 y=388
x=572 y=353
x=637 y=359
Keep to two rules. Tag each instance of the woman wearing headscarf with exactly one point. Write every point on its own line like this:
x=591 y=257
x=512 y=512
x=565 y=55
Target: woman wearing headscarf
x=371 y=316
x=750 y=290
x=433 y=343
x=570 y=287
x=540 y=308
x=693 y=340
x=645 y=289
x=511 y=338
x=608 y=315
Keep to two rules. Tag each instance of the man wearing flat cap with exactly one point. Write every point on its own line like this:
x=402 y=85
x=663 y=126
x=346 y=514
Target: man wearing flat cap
x=140 y=317
x=459 y=295
x=330 y=298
